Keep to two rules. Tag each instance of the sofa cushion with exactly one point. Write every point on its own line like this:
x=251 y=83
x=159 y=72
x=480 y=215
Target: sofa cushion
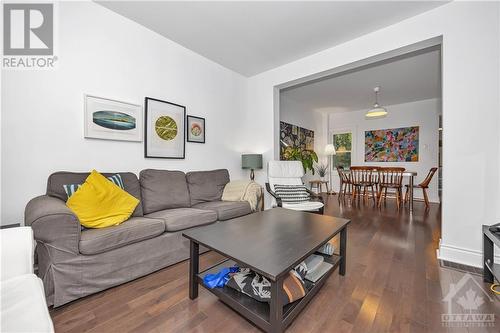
x=23 y=305
x=136 y=229
x=205 y=186
x=116 y=179
x=184 y=218
x=58 y=179
x=163 y=189
x=101 y=204
x=226 y=209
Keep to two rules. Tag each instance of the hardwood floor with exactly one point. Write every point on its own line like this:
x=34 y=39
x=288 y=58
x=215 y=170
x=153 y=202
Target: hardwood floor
x=393 y=284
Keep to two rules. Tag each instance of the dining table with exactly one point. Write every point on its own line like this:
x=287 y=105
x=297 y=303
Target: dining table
x=411 y=181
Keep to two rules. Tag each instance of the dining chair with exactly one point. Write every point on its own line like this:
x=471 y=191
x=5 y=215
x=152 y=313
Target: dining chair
x=390 y=178
x=362 y=178
x=345 y=182
x=423 y=185
x=375 y=177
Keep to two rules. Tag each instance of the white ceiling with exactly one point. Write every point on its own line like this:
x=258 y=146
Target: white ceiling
x=402 y=80
x=252 y=37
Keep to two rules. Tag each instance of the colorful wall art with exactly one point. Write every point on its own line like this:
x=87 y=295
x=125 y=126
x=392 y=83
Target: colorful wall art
x=295 y=136
x=165 y=129
x=112 y=120
x=196 y=129
x=392 y=145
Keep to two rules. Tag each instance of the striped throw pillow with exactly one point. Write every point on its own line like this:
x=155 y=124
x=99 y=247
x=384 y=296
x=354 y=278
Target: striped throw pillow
x=292 y=193
x=70 y=189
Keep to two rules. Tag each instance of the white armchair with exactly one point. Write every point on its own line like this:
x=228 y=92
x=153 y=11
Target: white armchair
x=291 y=173
x=23 y=306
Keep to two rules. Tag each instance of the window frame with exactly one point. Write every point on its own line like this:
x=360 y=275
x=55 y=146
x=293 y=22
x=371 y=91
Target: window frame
x=346 y=130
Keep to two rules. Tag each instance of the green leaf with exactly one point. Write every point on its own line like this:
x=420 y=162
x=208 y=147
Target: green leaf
x=314 y=156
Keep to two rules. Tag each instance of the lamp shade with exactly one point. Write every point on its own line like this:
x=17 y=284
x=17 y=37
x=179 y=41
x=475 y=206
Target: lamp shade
x=376 y=112
x=330 y=149
x=251 y=161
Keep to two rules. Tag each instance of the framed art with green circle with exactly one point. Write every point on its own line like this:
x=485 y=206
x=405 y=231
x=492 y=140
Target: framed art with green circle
x=165 y=129
x=195 y=129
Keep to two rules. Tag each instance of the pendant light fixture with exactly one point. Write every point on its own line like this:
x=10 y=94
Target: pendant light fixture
x=377 y=111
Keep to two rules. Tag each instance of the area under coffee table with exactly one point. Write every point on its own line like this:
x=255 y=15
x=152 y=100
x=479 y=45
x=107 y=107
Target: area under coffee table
x=271 y=243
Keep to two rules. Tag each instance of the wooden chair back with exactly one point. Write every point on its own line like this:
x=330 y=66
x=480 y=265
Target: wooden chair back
x=342 y=174
x=374 y=173
x=362 y=175
x=428 y=178
x=391 y=176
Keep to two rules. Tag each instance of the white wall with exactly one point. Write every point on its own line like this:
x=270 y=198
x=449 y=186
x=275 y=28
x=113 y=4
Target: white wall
x=424 y=114
x=470 y=78
x=104 y=54
x=296 y=114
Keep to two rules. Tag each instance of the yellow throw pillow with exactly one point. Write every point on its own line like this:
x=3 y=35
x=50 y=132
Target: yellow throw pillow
x=99 y=203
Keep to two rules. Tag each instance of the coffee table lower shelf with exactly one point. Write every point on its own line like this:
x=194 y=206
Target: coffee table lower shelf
x=259 y=312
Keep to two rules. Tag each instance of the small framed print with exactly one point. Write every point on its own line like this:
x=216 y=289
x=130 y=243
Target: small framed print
x=195 y=129
x=109 y=119
x=165 y=134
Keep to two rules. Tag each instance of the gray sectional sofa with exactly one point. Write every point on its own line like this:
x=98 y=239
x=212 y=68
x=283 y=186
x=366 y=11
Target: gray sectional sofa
x=75 y=262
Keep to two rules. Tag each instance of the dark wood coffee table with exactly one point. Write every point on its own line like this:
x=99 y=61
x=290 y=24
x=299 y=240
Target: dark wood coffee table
x=271 y=243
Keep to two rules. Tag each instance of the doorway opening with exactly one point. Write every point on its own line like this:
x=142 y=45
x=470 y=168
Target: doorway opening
x=331 y=107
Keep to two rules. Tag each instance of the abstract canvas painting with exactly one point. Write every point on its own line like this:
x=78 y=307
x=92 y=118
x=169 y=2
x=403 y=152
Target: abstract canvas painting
x=112 y=120
x=295 y=136
x=165 y=129
x=392 y=145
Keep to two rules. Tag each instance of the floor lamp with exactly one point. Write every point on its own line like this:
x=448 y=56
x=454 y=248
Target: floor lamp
x=330 y=151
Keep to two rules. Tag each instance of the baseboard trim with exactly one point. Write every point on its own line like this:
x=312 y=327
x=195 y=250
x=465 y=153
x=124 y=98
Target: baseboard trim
x=462 y=256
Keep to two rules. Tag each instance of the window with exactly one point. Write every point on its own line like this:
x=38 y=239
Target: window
x=343 y=147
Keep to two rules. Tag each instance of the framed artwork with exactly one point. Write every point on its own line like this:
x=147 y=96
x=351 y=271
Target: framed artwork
x=165 y=130
x=195 y=129
x=295 y=136
x=109 y=119
x=392 y=145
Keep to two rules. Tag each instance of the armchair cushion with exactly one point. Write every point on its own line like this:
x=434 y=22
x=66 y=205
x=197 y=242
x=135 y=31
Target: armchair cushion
x=23 y=305
x=304 y=206
x=17 y=248
x=285 y=169
x=285 y=173
x=291 y=193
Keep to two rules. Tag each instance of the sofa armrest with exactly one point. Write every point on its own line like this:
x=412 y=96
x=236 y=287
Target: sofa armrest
x=17 y=252
x=53 y=223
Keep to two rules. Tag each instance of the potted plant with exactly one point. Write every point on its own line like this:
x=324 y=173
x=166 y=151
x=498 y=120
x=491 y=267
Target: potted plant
x=321 y=169
x=307 y=157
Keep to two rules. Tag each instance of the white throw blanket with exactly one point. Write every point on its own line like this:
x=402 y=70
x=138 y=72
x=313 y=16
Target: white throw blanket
x=243 y=190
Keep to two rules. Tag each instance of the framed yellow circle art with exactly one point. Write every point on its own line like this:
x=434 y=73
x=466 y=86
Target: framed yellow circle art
x=165 y=129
